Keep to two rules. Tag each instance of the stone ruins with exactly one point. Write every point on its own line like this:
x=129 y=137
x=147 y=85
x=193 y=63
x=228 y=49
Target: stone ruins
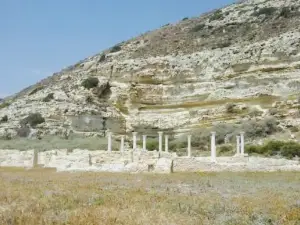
x=135 y=160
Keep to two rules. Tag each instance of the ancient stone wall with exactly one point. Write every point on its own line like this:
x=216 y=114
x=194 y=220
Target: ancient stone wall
x=138 y=161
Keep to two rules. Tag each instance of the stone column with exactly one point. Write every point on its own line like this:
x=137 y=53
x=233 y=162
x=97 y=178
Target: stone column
x=35 y=158
x=144 y=142
x=109 y=141
x=166 y=143
x=213 y=147
x=189 y=149
x=160 y=141
x=134 y=141
x=122 y=144
x=238 y=146
x=242 y=143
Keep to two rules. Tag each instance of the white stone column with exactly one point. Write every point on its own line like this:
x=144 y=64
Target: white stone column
x=144 y=142
x=160 y=141
x=242 y=143
x=213 y=147
x=134 y=141
x=109 y=141
x=166 y=143
x=122 y=144
x=189 y=148
x=238 y=146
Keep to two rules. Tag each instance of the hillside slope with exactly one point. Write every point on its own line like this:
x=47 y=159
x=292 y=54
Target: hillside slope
x=228 y=66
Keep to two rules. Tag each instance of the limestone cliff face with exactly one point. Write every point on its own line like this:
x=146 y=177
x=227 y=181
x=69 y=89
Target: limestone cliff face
x=179 y=77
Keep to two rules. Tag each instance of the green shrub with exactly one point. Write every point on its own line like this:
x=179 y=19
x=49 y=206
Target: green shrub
x=273 y=111
x=286 y=12
x=35 y=90
x=151 y=144
x=216 y=16
x=198 y=27
x=90 y=82
x=102 y=58
x=49 y=97
x=250 y=149
x=23 y=132
x=185 y=18
x=4 y=119
x=290 y=150
x=230 y=108
x=116 y=48
x=294 y=129
x=4 y=105
x=224 y=44
x=268 y=11
x=261 y=128
x=225 y=148
x=272 y=148
x=32 y=119
x=89 y=99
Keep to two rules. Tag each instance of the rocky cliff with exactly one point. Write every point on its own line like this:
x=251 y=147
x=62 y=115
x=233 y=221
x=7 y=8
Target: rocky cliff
x=227 y=66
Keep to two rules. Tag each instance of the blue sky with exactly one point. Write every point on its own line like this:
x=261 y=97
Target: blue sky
x=40 y=37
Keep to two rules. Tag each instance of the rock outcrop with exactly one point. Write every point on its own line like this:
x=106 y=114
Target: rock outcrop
x=178 y=78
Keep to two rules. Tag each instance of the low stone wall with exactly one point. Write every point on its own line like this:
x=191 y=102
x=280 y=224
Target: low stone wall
x=138 y=161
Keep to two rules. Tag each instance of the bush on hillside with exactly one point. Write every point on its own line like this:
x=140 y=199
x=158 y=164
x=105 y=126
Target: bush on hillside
x=23 y=132
x=49 y=97
x=216 y=16
x=268 y=11
x=35 y=90
x=261 y=128
x=4 y=119
x=230 y=108
x=198 y=27
x=4 y=105
x=90 y=82
x=116 y=48
x=32 y=119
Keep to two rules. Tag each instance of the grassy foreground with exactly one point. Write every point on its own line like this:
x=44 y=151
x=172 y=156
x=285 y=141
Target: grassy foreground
x=46 y=197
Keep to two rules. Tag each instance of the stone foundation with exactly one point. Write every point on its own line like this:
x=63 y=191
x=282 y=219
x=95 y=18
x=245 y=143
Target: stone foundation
x=138 y=161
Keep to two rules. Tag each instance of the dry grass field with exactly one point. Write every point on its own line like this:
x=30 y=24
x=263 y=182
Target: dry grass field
x=42 y=196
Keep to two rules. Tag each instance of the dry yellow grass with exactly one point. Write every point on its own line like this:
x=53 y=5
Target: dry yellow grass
x=45 y=197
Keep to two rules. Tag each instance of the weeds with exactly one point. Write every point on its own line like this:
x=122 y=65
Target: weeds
x=45 y=197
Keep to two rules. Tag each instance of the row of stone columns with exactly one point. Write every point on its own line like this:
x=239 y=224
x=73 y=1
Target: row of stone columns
x=239 y=144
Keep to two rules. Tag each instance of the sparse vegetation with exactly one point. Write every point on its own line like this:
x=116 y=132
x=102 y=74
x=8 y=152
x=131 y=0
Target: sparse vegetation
x=268 y=11
x=22 y=132
x=4 y=105
x=151 y=144
x=230 y=108
x=115 y=48
x=35 y=90
x=48 y=142
x=33 y=119
x=218 y=15
x=90 y=82
x=285 y=149
x=180 y=199
x=198 y=27
x=49 y=97
x=273 y=111
x=287 y=12
x=89 y=99
x=4 y=119
x=102 y=58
